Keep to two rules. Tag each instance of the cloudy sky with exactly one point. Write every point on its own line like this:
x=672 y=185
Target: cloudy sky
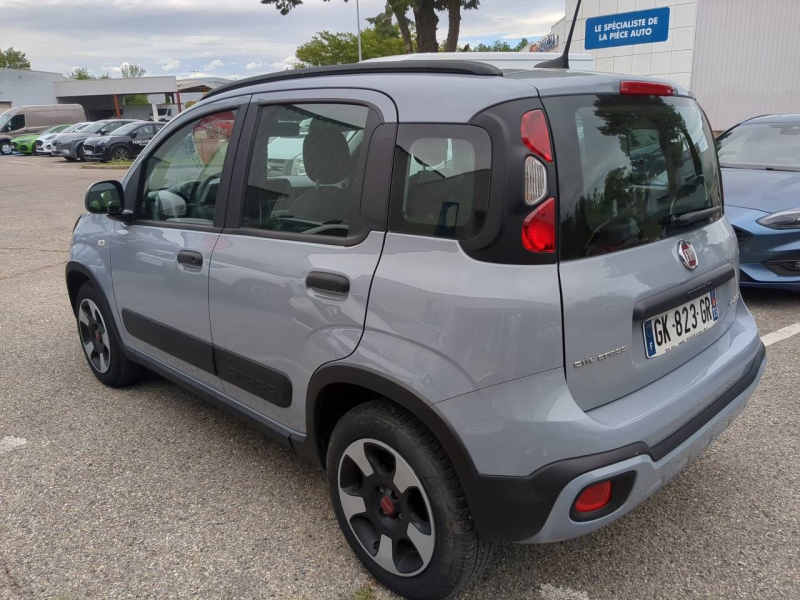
x=217 y=37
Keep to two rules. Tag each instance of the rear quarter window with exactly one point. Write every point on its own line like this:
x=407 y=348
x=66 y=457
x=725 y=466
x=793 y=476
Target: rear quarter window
x=626 y=166
x=440 y=181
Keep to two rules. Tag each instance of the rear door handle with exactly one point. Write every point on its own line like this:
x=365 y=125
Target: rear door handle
x=191 y=258
x=328 y=282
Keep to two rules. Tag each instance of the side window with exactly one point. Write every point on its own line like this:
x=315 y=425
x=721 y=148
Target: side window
x=440 y=182
x=17 y=122
x=306 y=168
x=181 y=178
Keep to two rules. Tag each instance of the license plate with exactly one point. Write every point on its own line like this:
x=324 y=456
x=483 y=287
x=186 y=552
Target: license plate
x=677 y=326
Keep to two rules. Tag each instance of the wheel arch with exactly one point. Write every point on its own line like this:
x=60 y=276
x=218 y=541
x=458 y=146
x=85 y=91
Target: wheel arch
x=324 y=408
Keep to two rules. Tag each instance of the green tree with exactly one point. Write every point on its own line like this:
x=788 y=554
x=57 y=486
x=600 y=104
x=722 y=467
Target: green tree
x=132 y=70
x=499 y=46
x=81 y=74
x=425 y=19
x=327 y=48
x=13 y=59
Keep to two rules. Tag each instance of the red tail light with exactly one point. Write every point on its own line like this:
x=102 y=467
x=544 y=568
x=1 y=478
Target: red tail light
x=594 y=497
x=535 y=134
x=539 y=228
x=646 y=88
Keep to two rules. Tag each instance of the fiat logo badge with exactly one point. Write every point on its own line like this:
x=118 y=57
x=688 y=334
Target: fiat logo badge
x=687 y=255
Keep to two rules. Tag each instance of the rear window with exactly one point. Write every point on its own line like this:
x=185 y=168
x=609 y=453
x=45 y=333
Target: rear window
x=626 y=166
x=440 y=181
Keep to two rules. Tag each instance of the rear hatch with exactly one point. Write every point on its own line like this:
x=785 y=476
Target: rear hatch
x=647 y=266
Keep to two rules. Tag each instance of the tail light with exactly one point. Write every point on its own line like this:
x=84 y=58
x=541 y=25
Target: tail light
x=645 y=88
x=539 y=228
x=535 y=134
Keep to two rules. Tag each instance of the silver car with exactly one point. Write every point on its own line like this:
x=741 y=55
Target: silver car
x=494 y=307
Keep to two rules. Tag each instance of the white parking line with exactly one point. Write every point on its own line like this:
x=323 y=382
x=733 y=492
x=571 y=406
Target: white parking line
x=781 y=334
x=8 y=443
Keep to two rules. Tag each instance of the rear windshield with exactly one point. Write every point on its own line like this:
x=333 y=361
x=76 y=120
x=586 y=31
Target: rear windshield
x=626 y=165
x=765 y=145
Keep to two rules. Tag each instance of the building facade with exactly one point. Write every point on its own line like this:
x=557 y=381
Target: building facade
x=740 y=57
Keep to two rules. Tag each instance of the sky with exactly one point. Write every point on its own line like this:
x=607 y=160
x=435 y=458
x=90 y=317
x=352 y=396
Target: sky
x=224 y=38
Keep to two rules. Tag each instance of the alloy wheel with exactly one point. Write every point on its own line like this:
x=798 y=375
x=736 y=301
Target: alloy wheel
x=94 y=336
x=5 y=148
x=386 y=507
x=120 y=154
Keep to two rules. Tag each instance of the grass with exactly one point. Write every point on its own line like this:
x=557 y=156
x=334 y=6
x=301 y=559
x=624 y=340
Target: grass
x=365 y=593
x=112 y=164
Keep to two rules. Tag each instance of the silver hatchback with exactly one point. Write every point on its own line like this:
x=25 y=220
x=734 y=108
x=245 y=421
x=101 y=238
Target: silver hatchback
x=494 y=307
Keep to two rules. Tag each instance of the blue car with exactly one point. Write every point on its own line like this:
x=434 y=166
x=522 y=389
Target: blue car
x=760 y=160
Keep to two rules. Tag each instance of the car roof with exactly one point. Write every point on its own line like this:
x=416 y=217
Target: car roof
x=417 y=87
x=787 y=118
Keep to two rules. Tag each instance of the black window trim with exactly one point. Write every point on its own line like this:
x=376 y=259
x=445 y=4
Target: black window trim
x=136 y=180
x=358 y=231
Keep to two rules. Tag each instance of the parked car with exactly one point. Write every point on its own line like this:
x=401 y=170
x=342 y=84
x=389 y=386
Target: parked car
x=760 y=160
x=70 y=146
x=26 y=144
x=22 y=120
x=123 y=144
x=489 y=320
x=44 y=143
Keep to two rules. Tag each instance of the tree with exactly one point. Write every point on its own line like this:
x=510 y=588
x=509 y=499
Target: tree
x=426 y=20
x=327 y=48
x=13 y=59
x=81 y=74
x=132 y=70
x=499 y=46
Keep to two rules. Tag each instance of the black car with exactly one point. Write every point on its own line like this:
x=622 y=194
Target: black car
x=123 y=144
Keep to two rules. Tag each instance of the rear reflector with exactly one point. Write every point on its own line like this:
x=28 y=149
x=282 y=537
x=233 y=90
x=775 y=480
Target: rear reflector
x=594 y=497
x=535 y=134
x=535 y=181
x=539 y=228
x=645 y=88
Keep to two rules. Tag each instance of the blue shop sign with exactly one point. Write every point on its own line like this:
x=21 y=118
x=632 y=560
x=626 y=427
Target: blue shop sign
x=627 y=29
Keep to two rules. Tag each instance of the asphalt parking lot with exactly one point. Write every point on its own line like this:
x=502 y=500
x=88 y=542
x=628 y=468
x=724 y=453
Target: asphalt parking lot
x=148 y=492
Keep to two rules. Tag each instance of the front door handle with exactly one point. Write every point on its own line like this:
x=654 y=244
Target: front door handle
x=328 y=282
x=191 y=258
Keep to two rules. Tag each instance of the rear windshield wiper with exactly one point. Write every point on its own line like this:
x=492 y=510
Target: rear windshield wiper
x=693 y=216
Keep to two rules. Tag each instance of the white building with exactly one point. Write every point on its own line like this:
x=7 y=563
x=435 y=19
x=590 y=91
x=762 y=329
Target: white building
x=740 y=57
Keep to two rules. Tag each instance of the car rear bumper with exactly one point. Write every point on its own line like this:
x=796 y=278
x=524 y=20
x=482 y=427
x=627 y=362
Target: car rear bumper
x=649 y=468
x=534 y=449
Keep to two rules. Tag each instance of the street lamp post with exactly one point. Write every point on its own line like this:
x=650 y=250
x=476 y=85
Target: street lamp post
x=358 y=16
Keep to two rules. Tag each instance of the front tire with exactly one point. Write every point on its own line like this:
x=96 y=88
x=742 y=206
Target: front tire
x=100 y=340
x=400 y=505
x=81 y=154
x=120 y=153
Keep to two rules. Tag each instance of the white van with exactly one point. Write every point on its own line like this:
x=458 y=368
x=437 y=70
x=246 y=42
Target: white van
x=21 y=120
x=501 y=60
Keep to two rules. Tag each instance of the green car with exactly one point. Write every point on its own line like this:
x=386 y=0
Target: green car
x=26 y=144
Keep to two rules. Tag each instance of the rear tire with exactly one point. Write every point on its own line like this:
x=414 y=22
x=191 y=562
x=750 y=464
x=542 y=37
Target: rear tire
x=6 y=148
x=100 y=340
x=421 y=542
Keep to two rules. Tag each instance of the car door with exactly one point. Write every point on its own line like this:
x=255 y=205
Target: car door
x=160 y=261
x=142 y=138
x=291 y=272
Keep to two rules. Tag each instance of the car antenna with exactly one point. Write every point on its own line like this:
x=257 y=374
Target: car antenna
x=562 y=62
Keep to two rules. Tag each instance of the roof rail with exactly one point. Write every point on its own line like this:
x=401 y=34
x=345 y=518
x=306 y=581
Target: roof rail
x=453 y=67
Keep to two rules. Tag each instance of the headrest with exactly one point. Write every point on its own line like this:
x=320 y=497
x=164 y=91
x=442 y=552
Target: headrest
x=326 y=156
x=430 y=152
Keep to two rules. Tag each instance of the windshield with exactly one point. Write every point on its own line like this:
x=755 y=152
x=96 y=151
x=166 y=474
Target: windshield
x=126 y=129
x=76 y=127
x=94 y=127
x=763 y=145
x=627 y=165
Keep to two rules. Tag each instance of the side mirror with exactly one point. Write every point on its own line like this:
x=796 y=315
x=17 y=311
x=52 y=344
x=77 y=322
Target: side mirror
x=133 y=135
x=104 y=198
